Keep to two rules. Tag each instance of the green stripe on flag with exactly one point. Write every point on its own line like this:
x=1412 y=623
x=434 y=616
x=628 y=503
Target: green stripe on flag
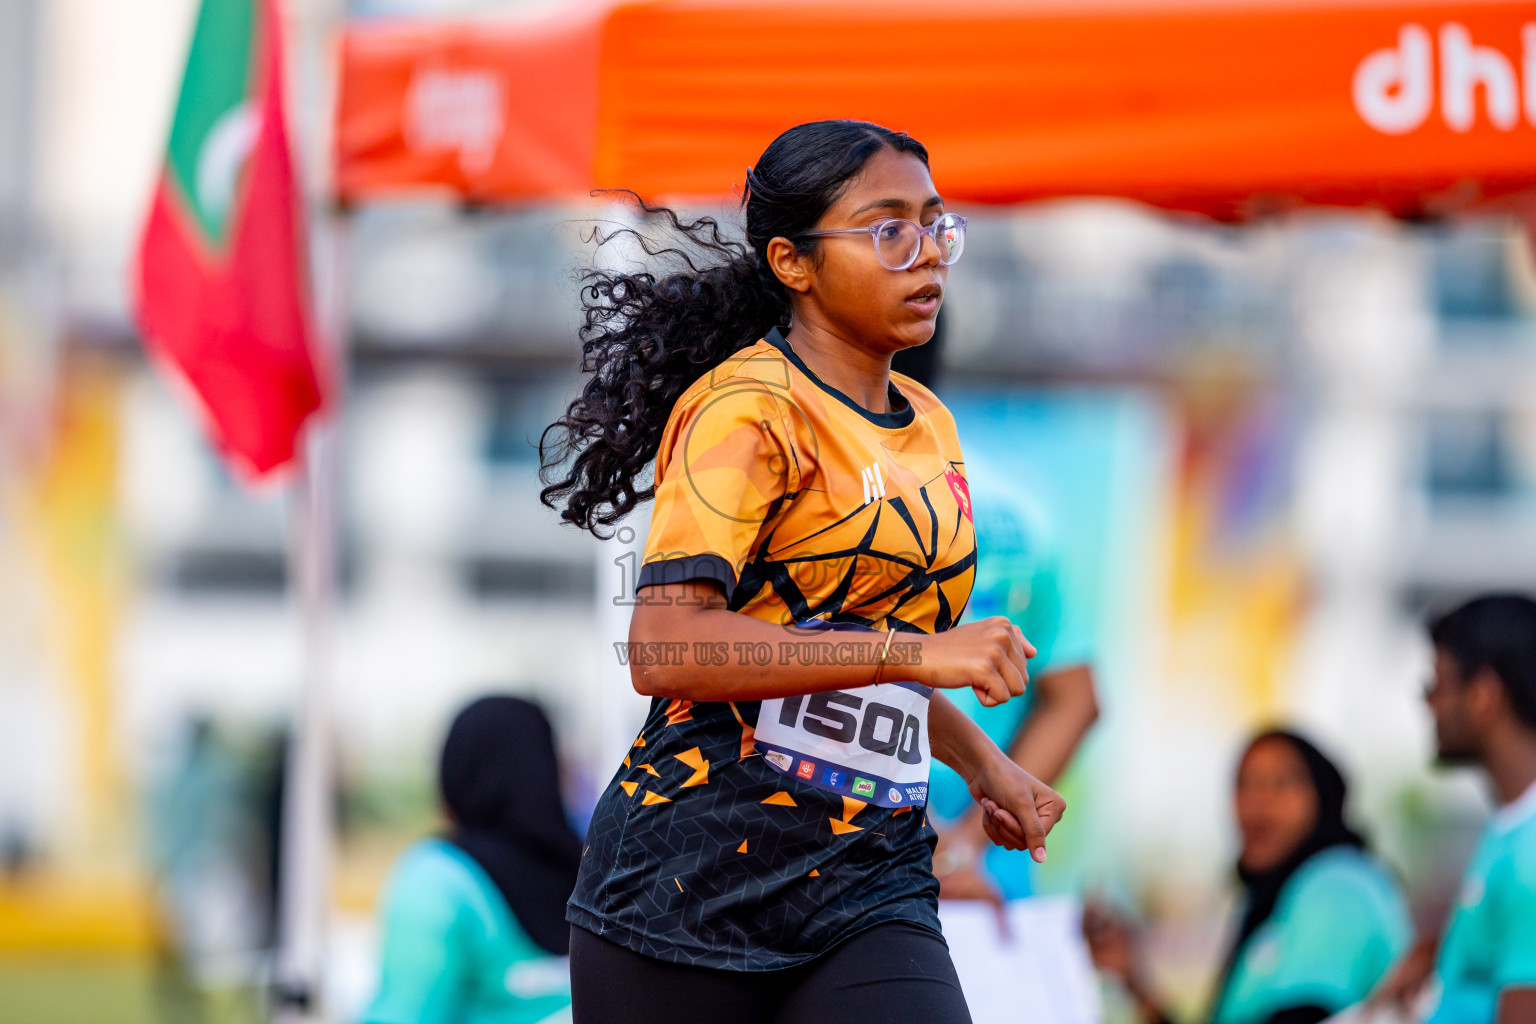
x=216 y=114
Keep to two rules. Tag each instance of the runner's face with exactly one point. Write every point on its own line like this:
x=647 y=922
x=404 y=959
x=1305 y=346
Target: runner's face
x=1276 y=805
x=887 y=309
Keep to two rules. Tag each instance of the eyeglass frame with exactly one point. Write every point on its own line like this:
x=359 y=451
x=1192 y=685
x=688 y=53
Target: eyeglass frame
x=873 y=231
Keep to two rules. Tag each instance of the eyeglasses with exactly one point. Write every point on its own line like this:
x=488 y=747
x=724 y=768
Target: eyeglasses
x=899 y=242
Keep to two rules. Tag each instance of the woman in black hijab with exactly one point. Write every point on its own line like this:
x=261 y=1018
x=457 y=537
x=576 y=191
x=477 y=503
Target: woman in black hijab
x=474 y=922
x=501 y=786
x=1322 y=920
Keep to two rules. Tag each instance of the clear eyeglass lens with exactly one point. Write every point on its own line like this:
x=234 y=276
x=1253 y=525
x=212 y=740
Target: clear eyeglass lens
x=898 y=242
x=949 y=235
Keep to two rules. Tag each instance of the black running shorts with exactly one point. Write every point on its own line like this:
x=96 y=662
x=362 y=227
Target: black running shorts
x=891 y=972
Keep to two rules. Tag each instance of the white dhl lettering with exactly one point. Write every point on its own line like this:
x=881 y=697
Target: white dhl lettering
x=1394 y=89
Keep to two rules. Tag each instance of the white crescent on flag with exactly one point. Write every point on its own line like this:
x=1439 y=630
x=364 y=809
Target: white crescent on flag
x=225 y=149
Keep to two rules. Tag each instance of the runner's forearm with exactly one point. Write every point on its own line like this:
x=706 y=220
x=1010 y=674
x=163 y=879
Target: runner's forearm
x=701 y=651
x=956 y=740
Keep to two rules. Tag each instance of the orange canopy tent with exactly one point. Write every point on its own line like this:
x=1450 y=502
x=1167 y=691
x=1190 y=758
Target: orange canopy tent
x=1417 y=109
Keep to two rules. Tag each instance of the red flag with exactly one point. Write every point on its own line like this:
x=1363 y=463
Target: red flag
x=220 y=289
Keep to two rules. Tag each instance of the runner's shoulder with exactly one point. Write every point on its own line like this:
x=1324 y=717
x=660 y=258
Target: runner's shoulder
x=752 y=368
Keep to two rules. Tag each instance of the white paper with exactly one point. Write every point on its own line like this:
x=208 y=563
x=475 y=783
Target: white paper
x=1037 y=970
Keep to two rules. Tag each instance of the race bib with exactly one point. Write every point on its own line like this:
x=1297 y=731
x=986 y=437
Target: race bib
x=870 y=743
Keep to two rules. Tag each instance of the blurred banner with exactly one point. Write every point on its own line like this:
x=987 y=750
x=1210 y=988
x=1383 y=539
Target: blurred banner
x=1416 y=109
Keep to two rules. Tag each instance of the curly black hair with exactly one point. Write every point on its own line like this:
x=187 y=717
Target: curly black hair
x=645 y=338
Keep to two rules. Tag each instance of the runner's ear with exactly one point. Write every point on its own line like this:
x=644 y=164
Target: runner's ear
x=794 y=271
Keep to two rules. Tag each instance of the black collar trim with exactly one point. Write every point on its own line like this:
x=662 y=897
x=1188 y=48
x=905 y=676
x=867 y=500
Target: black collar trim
x=901 y=417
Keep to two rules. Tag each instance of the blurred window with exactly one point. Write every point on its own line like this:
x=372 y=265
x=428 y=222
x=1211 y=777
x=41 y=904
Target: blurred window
x=1472 y=273
x=1468 y=455
x=492 y=578
x=522 y=405
x=205 y=571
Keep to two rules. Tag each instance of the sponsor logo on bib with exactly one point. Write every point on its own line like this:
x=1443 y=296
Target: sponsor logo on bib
x=783 y=762
x=863 y=786
x=807 y=770
x=834 y=778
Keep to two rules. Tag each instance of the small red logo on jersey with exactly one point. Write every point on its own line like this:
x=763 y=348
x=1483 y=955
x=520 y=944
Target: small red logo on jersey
x=961 y=491
x=807 y=769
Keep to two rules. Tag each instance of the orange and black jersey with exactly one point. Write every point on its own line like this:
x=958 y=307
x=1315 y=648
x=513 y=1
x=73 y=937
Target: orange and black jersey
x=802 y=506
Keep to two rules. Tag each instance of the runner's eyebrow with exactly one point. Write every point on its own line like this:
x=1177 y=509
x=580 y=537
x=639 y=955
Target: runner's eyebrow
x=896 y=204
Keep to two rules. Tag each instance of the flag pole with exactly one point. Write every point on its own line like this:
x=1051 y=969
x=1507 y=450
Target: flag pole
x=307 y=829
x=308 y=825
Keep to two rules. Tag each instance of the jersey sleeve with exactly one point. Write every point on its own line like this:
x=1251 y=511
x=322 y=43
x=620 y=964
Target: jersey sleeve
x=1041 y=619
x=1516 y=896
x=726 y=463
x=421 y=967
x=1064 y=638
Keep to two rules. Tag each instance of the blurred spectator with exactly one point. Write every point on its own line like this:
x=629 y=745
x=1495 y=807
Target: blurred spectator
x=205 y=842
x=1322 y=918
x=474 y=924
x=1018 y=575
x=1483 y=699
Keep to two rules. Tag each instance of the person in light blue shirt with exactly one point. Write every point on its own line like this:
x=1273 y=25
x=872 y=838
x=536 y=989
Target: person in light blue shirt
x=1019 y=575
x=474 y=923
x=1322 y=919
x=1483 y=699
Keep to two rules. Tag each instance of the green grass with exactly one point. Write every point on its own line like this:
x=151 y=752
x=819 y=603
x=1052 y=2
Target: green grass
x=109 y=990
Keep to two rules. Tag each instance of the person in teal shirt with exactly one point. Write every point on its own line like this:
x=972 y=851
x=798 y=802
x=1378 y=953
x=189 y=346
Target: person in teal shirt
x=1322 y=919
x=473 y=924
x=1018 y=576
x=1483 y=699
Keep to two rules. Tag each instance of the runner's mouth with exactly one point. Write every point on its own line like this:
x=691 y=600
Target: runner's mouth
x=926 y=299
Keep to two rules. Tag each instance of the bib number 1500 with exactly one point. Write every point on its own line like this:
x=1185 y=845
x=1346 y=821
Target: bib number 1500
x=844 y=718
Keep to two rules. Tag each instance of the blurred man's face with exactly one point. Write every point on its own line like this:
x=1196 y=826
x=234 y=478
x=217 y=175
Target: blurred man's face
x=1276 y=804
x=1449 y=701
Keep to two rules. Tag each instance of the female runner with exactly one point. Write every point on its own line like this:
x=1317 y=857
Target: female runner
x=763 y=854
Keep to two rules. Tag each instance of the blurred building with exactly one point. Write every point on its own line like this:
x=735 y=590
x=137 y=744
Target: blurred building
x=1352 y=439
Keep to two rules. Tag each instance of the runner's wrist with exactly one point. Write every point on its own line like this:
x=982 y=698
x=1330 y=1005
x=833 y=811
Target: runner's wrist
x=992 y=762
x=918 y=667
x=967 y=748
